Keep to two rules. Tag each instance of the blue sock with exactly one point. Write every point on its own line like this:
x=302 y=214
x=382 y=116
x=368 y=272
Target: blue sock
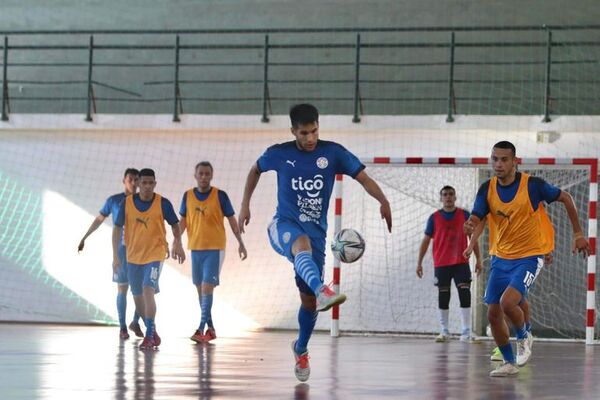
x=149 y=327
x=307 y=270
x=307 y=320
x=507 y=353
x=202 y=321
x=528 y=326
x=136 y=318
x=206 y=307
x=121 y=307
x=521 y=332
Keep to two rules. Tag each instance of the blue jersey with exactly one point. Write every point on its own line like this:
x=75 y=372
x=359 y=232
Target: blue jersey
x=226 y=206
x=305 y=180
x=166 y=206
x=111 y=206
x=430 y=228
x=539 y=190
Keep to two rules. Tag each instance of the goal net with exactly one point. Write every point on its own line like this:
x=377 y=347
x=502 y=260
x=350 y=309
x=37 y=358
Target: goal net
x=384 y=292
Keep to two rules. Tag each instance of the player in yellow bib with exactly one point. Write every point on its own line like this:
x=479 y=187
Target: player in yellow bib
x=520 y=235
x=142 y=216
x=202 y=211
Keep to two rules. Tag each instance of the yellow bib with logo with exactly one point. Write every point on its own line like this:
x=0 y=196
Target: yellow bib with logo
x=516 y=230
x=145 y=233
x=204 y=220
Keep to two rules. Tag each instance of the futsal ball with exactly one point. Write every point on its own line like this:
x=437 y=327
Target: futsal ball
x=348 y=245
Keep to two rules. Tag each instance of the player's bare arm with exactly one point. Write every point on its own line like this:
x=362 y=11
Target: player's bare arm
x=177 y=251
x=95 y=225
x=471 y=224
x=375 y=191
x=580 y=243
x=182 y=225
x=236 y=231
x=473 y=246
x=116 y=238
x=251 y=182
x=422 y=252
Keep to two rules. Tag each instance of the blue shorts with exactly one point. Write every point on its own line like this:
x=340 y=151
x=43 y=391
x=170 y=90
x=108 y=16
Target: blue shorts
x=206 y=266
x=120 y=277
x=142 y=275
x=282 y=235
x=518 y=274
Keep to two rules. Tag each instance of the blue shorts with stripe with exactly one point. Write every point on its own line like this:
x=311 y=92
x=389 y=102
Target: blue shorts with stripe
x=206 y=266
x=282 y=235
x=518 y=274
x=142 y=275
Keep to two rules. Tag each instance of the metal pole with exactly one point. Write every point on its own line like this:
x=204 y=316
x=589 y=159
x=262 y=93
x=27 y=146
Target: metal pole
x=265 y=117
x=449 y=117
x=356 y=117
x=176 y=82
x=548 y=65
x=5 y=80
x=88 y=116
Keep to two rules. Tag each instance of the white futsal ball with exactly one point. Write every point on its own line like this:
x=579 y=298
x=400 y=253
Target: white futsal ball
x=348 y=245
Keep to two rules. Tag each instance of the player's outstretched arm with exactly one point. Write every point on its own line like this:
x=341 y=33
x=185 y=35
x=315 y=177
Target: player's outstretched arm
x=580 y=243
x=177 y=251
x=95 y=224
x=375 y=191
x=251 y=182
x=422 y=252
x=235 y=228
x=116 y=239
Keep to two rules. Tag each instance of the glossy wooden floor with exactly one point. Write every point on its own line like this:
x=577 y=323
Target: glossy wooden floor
x=74 y=362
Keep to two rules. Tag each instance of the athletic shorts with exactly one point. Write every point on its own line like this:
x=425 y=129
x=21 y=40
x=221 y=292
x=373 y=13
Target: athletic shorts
x=142 y=275
x=282 y=234
x=461 y=273
x=518 y=274
x=206 y=266
x=120 y=277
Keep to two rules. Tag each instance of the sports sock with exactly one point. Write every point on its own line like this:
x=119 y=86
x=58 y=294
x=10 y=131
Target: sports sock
x=306 y=320
x=307 y=269
x=206 y=307
x=121 y=307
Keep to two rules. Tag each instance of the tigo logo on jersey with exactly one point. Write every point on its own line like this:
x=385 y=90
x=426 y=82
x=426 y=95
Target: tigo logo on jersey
x=322 y=162
x=311 y=186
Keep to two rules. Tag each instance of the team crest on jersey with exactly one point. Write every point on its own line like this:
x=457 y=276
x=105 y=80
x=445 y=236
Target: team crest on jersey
x=322 y=162
x=286 y=237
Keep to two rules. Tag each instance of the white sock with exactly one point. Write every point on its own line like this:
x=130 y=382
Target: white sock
x=443 y=316
x=465 y=317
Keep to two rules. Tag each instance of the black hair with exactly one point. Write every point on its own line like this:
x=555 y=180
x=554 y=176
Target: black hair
x=132 y=171
x=302 y=114
x=506 y=145
x=147 y=172
x=204 y=164
x=447 y=187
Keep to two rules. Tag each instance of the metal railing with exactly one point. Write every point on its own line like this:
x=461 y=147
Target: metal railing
x=373 y=79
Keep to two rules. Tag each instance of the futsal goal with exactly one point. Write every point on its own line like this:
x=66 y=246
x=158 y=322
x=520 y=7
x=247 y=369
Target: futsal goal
x=384 y=293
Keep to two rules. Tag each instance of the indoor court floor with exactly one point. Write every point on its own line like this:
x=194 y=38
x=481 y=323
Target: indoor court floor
x=90 y=362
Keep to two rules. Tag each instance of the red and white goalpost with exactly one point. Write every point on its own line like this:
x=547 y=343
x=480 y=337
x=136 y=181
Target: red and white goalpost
x=389 y=261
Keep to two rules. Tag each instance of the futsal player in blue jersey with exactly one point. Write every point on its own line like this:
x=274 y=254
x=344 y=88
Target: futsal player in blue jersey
x=142 y=216
x=520 y=234
x=111 y=207
x=306 y=169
